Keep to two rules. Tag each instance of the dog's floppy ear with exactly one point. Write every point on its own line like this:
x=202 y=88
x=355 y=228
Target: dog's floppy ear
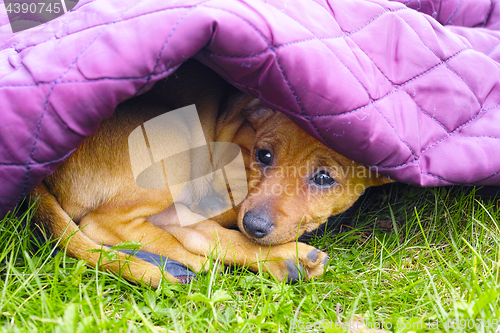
x=256 y=113
x=232 y=106
x=249 y=107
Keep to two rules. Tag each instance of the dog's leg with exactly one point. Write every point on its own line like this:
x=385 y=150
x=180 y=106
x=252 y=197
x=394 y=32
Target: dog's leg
x=235 y=248
x=151 y=238
x=77 y=244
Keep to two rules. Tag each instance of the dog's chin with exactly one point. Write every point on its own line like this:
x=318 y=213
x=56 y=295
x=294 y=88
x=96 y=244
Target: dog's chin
x=266 y=241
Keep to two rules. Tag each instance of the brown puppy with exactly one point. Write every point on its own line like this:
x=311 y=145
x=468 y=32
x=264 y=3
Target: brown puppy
x=295 y=183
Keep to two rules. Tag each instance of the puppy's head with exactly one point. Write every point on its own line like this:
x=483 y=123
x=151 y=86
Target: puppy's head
x=295 y=182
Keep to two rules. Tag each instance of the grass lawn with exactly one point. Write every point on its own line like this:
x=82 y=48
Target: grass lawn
x=420 y=260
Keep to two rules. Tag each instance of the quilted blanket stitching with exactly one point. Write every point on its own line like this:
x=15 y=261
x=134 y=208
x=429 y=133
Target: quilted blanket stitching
x=141 y=78
x=331 y=51
x=442 y=62
x=279 y=107
x=387 y=11
x=448 y=67
x=390 y=167
x=493 y=107
x=486 y=178
x=419 y=5
x=467 y=85
x=469 y=121
x=461 y=183
x=376 y=108
x=428 y=114
x=292 y=90
x=359 y=108
x=166 y=42
x=285 y=78
x=415 y=157
x=453 y=14
x=247 y=22
x=424 y=150
x=493 y=48
x=441 y=178
x=345 y=34
x=395 y=86
x=400 y=86
x=479 y=136
x=31 y=163
x=450 y=135
x=41 y=163
x=357 y=79
x=418 y=107
x=102 y=24
x=37 y=133
x=131 y=78
x=488 y=14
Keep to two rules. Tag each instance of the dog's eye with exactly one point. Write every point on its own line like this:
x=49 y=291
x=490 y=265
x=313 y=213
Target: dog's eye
x=264 y=156
x=322 y=178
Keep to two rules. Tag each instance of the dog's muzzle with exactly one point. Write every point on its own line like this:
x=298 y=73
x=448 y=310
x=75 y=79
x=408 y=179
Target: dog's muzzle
x=257 y=226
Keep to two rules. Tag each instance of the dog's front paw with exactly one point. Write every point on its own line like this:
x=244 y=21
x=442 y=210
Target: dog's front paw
x=295 y=261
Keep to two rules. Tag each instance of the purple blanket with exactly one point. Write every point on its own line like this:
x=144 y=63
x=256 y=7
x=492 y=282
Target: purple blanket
x=411 y=87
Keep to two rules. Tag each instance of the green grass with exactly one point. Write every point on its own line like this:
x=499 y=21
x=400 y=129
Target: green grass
x=424 y=258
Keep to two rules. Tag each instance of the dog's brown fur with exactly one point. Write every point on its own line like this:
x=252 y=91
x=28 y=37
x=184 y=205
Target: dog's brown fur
x=94 y=199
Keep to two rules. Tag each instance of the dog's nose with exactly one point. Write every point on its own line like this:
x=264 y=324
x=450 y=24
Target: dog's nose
x=257 y=226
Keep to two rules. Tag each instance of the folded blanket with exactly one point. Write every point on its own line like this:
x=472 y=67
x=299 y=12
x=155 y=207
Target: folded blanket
x=410 y=87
